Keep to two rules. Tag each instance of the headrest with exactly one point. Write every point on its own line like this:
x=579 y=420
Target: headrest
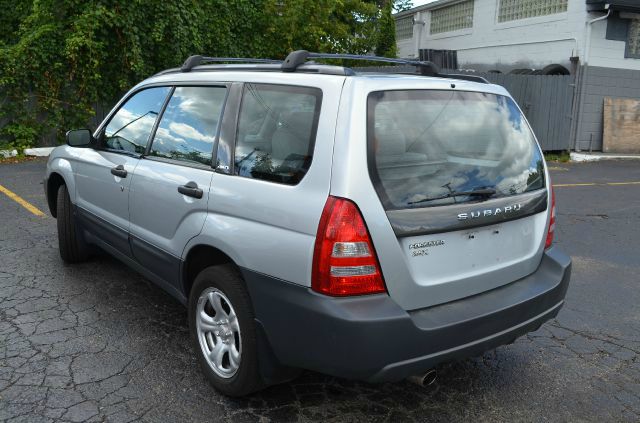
x=390 y=140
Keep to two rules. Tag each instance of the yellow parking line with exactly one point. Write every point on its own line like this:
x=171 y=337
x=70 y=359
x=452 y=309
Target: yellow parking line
x=624 y=183
x=574 y=185
x=593 y=184
x=24 y=203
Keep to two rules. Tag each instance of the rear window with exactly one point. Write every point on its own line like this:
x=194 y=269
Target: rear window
x=427 y=148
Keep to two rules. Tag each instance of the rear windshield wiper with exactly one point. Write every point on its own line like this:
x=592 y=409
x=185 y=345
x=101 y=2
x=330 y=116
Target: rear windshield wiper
x=484 y=192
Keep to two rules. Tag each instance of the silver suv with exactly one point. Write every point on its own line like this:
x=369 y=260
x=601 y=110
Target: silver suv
x=366 y=226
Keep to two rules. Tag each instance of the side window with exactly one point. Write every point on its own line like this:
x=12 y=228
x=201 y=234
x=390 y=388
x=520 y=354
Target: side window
x=189 y=124
x=276 y=132
x=130 y=127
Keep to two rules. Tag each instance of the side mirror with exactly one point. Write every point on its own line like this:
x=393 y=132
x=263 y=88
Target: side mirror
x=79 y=138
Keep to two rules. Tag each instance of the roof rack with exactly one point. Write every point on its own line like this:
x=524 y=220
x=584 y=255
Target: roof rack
x=193 y=61
x=299 y=57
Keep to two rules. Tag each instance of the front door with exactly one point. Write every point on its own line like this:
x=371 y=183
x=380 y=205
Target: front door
x=104 y=174
x=170 y=186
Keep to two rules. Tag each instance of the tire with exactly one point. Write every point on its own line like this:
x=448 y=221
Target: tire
x=72 y=247
x=555 y=70
x=523 y=71
x=225 y=283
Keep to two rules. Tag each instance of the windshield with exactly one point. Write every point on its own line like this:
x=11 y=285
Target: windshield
x=430 y=148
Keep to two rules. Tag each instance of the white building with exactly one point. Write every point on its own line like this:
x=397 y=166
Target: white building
x=596 y=40
x=508 y=34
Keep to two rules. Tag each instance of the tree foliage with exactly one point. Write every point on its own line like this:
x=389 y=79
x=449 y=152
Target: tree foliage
x=60 y=59
x=386 y=43
x=400 y=5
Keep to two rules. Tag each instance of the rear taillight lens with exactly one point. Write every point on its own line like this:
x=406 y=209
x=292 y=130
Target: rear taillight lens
x=552 y=221
x=344 y=261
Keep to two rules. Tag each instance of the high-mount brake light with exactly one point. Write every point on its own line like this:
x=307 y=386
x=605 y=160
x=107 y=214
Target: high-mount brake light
x=552 y=221
x=344 y=260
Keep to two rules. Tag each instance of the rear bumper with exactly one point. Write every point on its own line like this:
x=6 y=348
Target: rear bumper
x=371 y=338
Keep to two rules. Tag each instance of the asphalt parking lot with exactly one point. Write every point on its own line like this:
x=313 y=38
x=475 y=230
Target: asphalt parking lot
x=98 y=342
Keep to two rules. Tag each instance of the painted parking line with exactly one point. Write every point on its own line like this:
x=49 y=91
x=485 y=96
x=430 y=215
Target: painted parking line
x=24 y=203
x=594 y=184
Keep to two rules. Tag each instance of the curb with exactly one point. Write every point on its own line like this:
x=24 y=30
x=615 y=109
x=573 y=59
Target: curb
x=583 y=157
x=39 y=152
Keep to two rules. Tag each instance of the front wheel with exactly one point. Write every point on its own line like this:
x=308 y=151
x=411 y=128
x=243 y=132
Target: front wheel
x=223 y=332
x=72 y=247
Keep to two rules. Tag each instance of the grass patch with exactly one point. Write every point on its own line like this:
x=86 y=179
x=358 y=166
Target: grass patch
x=557 y=156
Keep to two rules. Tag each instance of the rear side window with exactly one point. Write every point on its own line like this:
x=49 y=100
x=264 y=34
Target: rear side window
x=426 y=146
x=189 y=125
x=129 y=129
x=276 y=132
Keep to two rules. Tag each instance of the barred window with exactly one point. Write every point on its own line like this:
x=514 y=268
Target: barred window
x=511 y=10
x=452 y=18
x=633 y=39
x=404 y=28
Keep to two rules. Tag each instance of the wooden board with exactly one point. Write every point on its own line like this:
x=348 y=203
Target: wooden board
x=621 y=125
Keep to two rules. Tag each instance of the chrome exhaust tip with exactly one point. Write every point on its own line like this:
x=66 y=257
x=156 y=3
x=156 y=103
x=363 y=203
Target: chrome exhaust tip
x=425 y=379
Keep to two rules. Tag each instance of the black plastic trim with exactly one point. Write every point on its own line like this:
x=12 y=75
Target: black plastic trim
x=178 y=162
x=143 y=257
x=431 y=220
x=165 y=265
x=342 y=336
x=111 y=234
x=165 y=285
x=224 y=148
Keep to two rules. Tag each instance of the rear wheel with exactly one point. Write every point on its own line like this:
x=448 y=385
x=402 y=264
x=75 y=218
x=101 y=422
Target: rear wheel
x=223 y=332
x=72 y=247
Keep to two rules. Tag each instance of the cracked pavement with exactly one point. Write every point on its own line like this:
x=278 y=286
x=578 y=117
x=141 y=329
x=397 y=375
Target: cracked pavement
x=98 y=342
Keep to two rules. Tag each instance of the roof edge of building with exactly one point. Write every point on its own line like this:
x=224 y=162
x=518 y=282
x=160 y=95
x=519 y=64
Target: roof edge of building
x=429 y=6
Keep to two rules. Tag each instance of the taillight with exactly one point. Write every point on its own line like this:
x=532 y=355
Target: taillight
x=344 y=261
x=552 y=221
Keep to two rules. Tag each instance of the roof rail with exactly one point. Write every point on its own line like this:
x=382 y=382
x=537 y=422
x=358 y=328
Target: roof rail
x=193 y=61
x=299 y=57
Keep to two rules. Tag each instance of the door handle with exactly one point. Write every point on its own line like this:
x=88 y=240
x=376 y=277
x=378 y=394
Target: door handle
x=119 y=171
x=191 y=189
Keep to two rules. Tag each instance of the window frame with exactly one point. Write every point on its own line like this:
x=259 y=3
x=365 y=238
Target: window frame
x=100 y=132
x=314 y=128
x=541 y=18
x=627 y=50
x=399 y=29
x=214 y=148
x=455 y=30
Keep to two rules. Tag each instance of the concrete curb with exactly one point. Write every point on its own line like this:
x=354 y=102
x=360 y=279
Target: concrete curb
x=39 y=152
x=594 y=157
x=8 y=153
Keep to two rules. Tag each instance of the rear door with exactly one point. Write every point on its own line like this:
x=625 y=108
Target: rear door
x=459 y=201
x=170 y=186
x=104 y=174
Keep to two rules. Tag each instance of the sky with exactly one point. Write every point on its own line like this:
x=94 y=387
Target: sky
x=421 y=2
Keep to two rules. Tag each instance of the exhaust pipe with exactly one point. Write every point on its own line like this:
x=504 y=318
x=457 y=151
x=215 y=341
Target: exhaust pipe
x=424 y=379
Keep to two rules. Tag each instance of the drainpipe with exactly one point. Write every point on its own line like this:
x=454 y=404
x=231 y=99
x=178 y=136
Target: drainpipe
x=583 y=77
x=587 y=48
x=421 y=24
